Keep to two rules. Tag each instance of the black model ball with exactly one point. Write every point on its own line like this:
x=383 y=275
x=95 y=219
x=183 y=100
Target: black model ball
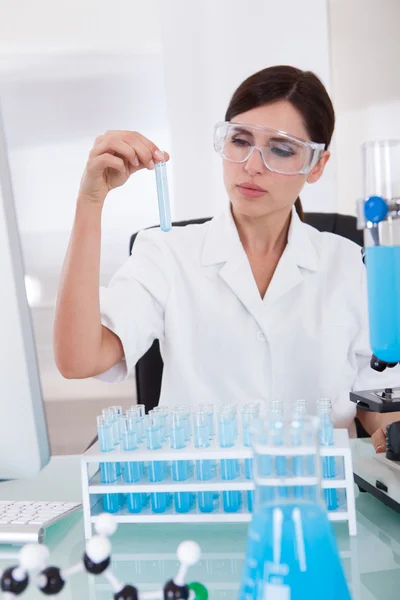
x=52 y=583
x=9 y=583
x=128 y=592
x=172 y=591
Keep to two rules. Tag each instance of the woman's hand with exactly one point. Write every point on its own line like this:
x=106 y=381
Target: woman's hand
x=375 y=424
x=115 y=156
x=379 y=439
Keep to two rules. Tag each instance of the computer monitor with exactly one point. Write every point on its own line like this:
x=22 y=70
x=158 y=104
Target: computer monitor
x=24 y=445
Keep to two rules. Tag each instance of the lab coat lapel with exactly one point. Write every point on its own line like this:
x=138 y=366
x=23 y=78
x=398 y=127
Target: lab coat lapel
x=299 y=255
x=223 y=245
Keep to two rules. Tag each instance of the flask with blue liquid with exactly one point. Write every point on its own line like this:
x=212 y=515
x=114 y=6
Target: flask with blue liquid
x=379 y=216
x=291 y=550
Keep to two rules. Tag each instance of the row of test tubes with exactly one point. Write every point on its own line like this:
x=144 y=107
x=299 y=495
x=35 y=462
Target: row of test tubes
x=178 y=429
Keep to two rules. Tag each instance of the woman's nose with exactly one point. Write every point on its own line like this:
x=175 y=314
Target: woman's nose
x=255 y=164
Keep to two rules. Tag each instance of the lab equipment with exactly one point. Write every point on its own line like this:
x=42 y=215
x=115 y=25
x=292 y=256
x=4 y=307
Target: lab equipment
x=156 y=468
x=379 y=216
x=33 y=568
x=227 y=430
x=108 y=470
x=180 y=468
x=164 y=486
x=24 y=446
x=163 y=196
x=291 y=550
x=324 y=408
x=280 y=152
x=132 y=469
x=204 y=468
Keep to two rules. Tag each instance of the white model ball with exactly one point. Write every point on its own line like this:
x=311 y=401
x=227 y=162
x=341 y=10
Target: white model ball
x=188 y=553
x=105 y=525
x=34 y=557
x=98 y=548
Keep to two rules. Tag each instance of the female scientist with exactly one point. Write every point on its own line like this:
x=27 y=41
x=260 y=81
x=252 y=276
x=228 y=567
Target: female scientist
x=253 y=304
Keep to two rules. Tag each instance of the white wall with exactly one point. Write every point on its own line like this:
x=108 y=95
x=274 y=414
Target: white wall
x=220 y=44
x=365 y=47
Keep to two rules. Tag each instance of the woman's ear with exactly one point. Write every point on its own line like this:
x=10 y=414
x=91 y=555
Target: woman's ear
x=317 y=171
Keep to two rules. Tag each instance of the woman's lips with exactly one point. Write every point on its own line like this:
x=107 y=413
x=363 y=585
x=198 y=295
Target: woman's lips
x=250 y=192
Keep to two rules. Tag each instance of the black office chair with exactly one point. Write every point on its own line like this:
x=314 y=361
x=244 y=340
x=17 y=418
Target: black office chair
x=150 y=367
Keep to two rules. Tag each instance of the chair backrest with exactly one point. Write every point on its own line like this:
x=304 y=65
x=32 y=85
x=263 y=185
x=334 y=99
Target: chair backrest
x=150 y=367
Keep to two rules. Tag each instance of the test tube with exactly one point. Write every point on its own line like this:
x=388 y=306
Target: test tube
x=249 y=414
x=299 y=412
x=179 y=468
x=108 y=472
x=132 y=473
x=112 y=415
x=229 y=469
x=275 y=418
x=204 y=470
x=326 y=438
x=156 y=468
x=163 y=196
x=209 y=410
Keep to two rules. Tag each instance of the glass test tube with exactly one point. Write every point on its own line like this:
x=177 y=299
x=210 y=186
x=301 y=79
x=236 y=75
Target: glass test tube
x=163 y=196
x=204 y=470
x=108 y=473
x=209 y=410
x=132 y=472
x=250 y=413
x=179 y=468
x=324 y=409
x=156 y=469
x=299 y=412
x=229 y=470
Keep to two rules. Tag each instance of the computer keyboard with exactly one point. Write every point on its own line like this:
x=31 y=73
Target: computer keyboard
x=23 y=522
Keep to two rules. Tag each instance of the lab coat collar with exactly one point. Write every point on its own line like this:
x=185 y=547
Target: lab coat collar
x=223 y=246
x=222 y=242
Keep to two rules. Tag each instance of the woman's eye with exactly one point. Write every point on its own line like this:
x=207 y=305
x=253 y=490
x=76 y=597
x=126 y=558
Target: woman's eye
x=283 y=152
x=240 y=142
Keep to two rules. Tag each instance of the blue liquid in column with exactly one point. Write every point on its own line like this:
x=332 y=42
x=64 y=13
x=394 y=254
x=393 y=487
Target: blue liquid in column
x=383 y=281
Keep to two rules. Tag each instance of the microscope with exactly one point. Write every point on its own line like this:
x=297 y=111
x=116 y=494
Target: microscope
x=379 y=216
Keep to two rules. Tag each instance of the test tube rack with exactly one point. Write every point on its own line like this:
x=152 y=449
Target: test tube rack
x=93 y=489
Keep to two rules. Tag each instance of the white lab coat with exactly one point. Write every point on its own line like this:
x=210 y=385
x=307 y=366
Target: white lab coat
x=193 y=289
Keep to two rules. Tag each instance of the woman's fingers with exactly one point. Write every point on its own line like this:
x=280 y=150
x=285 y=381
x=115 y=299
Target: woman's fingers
x=379 y=440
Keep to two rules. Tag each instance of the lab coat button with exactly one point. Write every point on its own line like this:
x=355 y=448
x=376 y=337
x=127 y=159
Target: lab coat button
x=260 y=336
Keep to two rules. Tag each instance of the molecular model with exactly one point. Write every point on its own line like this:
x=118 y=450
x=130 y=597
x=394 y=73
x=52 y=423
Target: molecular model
x=34 y=558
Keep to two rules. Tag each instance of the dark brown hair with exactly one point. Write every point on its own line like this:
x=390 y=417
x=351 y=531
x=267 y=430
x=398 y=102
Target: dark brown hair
x=303 y=89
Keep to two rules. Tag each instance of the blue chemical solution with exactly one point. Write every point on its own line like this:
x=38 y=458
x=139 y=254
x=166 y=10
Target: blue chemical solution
x=108 y=471
x=383 y=279
x=163 y=196
x=292 y=555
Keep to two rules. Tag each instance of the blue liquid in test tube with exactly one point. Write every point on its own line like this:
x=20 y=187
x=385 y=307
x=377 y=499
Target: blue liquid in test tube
x=108 y=472
x=156 y=468
x=204 y=470
x=229 y=467
x=179 y=468
x=324 y=408
x=163 y=196
x=249 y=414
x=129 y=440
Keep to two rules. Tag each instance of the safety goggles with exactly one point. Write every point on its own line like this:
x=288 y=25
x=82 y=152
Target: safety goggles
x=281 y=153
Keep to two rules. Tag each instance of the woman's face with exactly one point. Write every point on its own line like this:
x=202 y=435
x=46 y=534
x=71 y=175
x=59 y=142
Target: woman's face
x=279 y=192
